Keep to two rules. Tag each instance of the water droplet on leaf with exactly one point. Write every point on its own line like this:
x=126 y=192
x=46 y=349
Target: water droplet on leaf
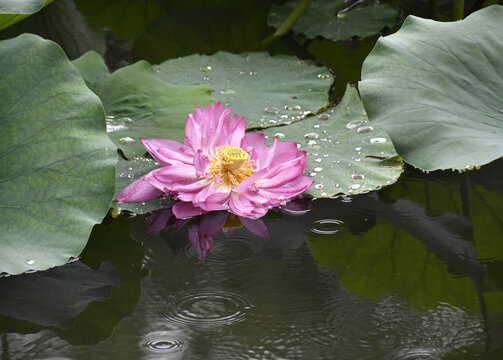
x=353 y=124
x=127 y=140
x=279 y=135
x=377 y=140
x=364 y=129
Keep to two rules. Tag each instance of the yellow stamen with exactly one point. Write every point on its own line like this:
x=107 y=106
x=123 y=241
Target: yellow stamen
x=230 y=166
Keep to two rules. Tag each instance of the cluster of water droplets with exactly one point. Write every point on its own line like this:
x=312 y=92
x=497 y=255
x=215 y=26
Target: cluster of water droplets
x=117 y=124
x=319 y=144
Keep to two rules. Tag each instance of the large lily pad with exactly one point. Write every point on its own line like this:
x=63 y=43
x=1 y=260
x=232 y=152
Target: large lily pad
x=265 y=90
x=139 y=103
x=12 y=11
x=56 y=165
x=336 y=19
x=437 y=89
x=345 y=153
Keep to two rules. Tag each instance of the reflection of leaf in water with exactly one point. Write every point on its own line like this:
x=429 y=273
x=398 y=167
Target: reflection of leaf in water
x=423 y=238
x=92 y=321
x=487 y=218
x=390 y=260
x=55 y=297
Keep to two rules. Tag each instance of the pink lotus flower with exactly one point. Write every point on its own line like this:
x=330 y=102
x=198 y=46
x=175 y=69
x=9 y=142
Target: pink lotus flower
x=219 y=167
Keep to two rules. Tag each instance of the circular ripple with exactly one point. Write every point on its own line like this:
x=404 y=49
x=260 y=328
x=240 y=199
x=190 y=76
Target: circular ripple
x=161 y=343
x=210 y=308
x=415 y=354
x=232 y=250
x=326 y=226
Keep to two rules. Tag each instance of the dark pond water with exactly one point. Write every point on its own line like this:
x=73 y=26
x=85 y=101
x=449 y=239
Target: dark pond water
x=410 y=272
x=413 y=271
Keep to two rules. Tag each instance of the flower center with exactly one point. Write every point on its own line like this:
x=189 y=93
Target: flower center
x=230 y=167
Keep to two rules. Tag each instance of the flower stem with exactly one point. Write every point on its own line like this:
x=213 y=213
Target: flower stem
x=292 y=18
x=458 y=9
x=285 y=27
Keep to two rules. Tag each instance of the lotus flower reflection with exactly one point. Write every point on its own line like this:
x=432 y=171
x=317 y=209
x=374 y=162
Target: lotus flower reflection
x=205 y=228
x=219 y=167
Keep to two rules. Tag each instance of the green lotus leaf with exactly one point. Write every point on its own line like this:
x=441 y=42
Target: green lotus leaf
x=335 y=19
x=20 y=6
x=140 y=103
x=56 y=163
x=436 y=88
x=345 y=153
x=12 y=11
x=266 y=90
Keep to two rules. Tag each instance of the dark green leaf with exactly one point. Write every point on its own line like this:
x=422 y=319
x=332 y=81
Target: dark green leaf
x=56 y=163
x=336 y=19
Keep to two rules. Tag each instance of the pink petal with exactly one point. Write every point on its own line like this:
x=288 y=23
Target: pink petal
x=249 y=181
x=256 y=142
x=187 y=191
x=143 y=189
x=184 y=209
x=240 y=205
x=255 y=226
x=293 y=189
x=175 y=173
x=211 y=199
x=284 y=173
x=201 y=162
x=166 y=151
x=237 y=127
x=280 y=152
x=204 y=127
